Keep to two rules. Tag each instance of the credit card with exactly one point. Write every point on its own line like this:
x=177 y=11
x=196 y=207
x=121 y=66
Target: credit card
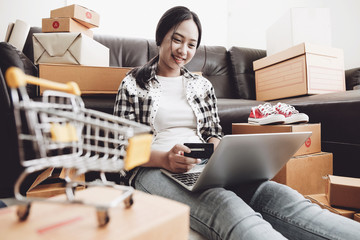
x=199 y=150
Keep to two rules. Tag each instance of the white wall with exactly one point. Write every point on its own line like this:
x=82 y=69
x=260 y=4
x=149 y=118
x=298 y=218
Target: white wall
x=29 y=11
x=249 y=20
x=138 y=18
x=226 y=23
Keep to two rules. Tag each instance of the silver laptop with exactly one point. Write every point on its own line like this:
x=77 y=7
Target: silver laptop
x=241 y=158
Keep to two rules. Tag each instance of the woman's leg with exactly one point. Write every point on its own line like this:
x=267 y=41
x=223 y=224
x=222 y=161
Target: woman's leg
x=296 y=217
x=215 y=213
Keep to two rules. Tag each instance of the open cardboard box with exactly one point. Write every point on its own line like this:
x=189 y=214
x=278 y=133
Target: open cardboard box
x=357 y=217
x=51 y=182
x=322 y=201
x=343 y=191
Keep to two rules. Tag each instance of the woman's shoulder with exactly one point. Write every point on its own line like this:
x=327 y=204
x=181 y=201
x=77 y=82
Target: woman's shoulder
x=201 y=81
x=129 y=82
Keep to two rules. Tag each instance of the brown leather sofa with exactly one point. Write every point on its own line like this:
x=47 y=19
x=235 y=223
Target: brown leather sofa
x=232 y=75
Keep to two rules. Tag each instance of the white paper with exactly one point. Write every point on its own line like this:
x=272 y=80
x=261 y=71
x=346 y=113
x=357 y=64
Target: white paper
x=8 y=32
x=19 y=34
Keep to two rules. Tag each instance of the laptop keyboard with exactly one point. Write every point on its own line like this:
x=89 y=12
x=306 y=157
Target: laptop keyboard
x=188 y=179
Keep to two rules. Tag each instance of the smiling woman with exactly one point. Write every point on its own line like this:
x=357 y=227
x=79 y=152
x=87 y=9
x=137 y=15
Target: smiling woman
x=181 y=107
x=178 y=47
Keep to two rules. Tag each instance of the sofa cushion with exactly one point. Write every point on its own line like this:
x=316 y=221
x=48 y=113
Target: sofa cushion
x=352 y=78
x=241 y=62
x=212 y=62
x=125 y=52
x=10 y=56
x=10 y=164
x=28 y=49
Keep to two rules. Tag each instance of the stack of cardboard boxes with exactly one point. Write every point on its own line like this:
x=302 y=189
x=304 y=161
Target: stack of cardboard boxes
x=306 y=171
x=302 y=69
x=342 y=196
x=66 y=51
x=310 y=171
x=68 y=39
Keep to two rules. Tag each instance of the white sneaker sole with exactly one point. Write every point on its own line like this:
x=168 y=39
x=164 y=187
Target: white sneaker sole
x=297 y=118
x=272 y=119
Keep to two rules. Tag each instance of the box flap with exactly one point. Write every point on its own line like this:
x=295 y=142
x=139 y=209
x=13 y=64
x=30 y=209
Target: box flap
x=42 y=177
x=344 y=191
x=345 y=181
x=322 y=201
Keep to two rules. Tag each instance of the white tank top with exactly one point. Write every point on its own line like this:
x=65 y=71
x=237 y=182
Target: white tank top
x=175 y=121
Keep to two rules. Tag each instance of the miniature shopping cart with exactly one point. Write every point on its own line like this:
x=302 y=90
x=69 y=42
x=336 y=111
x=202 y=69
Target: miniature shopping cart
x=62 y=133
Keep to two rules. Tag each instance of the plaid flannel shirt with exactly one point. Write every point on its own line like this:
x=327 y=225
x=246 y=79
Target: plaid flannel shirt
x=141 y=105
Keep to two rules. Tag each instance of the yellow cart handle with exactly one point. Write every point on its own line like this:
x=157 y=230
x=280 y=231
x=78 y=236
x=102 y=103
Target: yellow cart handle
x=15 y=78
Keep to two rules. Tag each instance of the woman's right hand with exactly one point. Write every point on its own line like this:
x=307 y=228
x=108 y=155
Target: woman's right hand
x=176 y=162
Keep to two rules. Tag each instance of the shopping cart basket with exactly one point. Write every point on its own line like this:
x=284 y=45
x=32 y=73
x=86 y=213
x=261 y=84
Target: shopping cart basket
x=63 y=134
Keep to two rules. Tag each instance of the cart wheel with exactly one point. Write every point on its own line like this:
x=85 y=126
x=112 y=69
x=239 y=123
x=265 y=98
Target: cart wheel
x=23 y=211
x=102 y=217
x=128 y=201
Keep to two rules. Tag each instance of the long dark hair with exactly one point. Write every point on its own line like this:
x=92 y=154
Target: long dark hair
x=171 y=18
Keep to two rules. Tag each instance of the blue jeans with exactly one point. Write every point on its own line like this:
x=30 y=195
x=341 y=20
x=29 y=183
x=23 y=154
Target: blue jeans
x=264 y=210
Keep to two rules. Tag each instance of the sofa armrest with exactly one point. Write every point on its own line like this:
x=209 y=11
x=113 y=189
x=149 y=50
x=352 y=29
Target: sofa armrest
x=241 y=62
x=11 y=56
x=352 y=78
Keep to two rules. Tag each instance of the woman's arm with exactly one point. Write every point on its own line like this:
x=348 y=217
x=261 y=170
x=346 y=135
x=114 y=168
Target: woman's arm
x=215 y=141
x=173 y=160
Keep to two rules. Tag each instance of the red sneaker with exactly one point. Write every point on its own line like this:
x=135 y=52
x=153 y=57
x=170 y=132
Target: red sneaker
x=265 y=114
x=291 y=114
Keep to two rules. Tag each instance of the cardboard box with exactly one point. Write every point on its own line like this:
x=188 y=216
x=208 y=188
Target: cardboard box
x=150 y=217
x=69 y=48
x=357 y=217
x=64 y=25
x=312 y=145
x=86 y=17
x=51 y=183
x=299 y=25
x=300 y=70
x=343 y=191
x=322 y=201
x=307 y=173
x=91 y=80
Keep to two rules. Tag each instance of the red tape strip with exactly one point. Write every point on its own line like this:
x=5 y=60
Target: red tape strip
x=57 y=225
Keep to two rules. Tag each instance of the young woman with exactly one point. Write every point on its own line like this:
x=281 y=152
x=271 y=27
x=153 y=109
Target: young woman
x=181 y=107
